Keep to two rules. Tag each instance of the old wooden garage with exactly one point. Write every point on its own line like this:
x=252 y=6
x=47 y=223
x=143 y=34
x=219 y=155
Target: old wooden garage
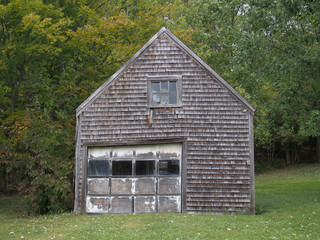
x=164 y=134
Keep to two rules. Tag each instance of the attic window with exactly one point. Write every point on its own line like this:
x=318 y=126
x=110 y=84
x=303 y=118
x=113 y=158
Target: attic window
x=164 y=92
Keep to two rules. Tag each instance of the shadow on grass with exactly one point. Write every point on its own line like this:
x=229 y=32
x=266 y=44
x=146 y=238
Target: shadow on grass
x=13 y=206
x=260 y=209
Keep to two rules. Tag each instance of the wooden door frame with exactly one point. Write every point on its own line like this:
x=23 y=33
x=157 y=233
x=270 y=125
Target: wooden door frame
x=183 y=141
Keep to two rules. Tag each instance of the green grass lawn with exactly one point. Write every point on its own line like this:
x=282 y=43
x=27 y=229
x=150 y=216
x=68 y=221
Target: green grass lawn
x=287 y=203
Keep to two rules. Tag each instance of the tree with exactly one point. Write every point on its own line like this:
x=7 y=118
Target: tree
x=53 y=55
x=290 y=42
x=269 y=51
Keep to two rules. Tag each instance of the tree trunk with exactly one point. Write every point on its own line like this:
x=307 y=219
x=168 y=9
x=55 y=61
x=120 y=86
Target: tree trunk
x=5 y=178
x=7 y=181
x=318 y=149
x=288 y=156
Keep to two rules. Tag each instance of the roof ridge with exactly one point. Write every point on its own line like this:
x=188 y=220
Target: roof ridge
x=97 y=93
x=145 y=47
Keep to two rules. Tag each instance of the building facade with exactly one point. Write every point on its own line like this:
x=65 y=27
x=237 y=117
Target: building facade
x=164 y=134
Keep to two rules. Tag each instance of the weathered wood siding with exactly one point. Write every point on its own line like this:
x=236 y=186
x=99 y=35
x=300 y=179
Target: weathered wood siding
x=214 y=123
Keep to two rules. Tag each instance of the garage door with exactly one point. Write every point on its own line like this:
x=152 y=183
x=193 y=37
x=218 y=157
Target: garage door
x=134 y=179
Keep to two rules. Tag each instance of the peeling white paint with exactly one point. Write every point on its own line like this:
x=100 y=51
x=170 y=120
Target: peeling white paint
x=169 y=203
x=178 y=184
x=123 y=152
x=146 y=149
x=96 y=208
x=169 y=185
x=178 y=199
x=172 y=148
x=151 y=204
x=99 y=180
x=99 y=152
x=155 y=180
x=133 y=186
x=121 y=205
x=111 y=199
x=145 y=204
x=121 y=186
x=98 y=185
x=140 y=189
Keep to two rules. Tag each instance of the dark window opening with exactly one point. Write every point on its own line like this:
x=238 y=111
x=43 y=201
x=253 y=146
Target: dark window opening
x=164 y=92
x=145 y=167
x=98 y=168
x=169 y=167
x=122 y=168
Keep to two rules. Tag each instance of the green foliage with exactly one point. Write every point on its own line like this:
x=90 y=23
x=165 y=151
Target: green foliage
x=53 y=55
x=269 y=51
x=38 y=138
x=49 y=144
x=266 y=166
x=311 y=125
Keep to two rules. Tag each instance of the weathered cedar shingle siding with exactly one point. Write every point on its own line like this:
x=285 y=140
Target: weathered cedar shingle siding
x=214 y=123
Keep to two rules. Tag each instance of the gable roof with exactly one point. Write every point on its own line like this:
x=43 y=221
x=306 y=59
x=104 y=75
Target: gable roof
x=187 y=50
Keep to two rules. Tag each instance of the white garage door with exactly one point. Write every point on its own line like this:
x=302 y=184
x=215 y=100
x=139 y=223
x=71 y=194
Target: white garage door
x=134 y=179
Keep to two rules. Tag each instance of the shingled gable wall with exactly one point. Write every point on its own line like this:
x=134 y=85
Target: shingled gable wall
x=215 y=123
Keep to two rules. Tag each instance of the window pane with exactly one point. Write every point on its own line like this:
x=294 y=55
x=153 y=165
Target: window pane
x=173 y=86
x=164 y=92
x=155 y=98
x=173 y=98
x=169 y=167
x=98 y=168
x=164 y=98
x=164 y=86
x=145 y=167
x=173 y=92
x=155 y=87
x=121 y=168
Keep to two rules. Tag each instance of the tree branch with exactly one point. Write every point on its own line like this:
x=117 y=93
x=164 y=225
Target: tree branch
x=294 y=56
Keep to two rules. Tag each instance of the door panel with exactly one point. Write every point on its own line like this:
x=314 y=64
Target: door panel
x=134 y=179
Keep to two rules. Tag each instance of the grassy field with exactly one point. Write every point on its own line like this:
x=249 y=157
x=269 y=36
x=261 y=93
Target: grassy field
x=287 y=203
